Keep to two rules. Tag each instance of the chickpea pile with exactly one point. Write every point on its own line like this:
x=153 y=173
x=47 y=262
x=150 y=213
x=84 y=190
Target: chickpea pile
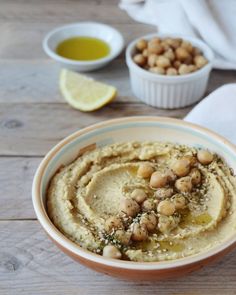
x=169 y=56
x=155 y=209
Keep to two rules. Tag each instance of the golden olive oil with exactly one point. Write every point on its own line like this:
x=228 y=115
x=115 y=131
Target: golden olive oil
x=171 y=246
x=168 y=245
x=133 y=170
x=202 y=219
x=83 y=48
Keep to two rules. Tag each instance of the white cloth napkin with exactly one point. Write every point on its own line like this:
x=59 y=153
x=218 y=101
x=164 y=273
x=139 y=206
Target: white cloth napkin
x=214 y=21
x=217 y=112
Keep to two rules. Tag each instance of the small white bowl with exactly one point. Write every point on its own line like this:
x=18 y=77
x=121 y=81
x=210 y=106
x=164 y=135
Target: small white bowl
x=88 y=29
x=169 y=92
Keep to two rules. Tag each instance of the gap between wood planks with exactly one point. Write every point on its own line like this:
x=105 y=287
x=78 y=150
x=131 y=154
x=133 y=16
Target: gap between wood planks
x=18 y=219
x=32 y=129
x=68 y=11
x=31 y=264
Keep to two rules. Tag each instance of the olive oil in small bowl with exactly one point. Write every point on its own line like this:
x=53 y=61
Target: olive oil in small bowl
x=84 y=46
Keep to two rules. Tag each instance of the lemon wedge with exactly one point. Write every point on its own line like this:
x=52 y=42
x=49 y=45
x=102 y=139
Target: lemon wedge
x=84 y=93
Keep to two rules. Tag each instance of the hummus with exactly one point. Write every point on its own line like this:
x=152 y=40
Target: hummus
x=144 y=201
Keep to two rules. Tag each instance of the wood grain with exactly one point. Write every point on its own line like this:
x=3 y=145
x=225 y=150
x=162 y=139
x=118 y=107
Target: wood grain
x=27 y=37
x=30 y=81
x=30 y=260
x=63 y=10
x=37 y=81
x=16 y=175
x=43 y=125
x=34 y=117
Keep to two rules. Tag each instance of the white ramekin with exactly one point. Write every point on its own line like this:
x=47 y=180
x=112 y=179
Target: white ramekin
x=89 y=29
x=169 y=92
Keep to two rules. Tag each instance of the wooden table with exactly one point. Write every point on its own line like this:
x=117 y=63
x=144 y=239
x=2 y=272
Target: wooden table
x=33 y=118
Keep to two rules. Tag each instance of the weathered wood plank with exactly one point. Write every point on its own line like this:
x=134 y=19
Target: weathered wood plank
x=32 y=129
x=63 y=10
x=33 y=117
x=37 y=81
x=30 y=260
x=219 y=78
x=23 y=40
x=16 y=175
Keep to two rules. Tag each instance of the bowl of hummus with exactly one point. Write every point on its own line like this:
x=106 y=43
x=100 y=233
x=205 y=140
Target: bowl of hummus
x=139 y=198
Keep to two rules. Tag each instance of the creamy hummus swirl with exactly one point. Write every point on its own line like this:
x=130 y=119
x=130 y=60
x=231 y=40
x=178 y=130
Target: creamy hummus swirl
x=83 y=195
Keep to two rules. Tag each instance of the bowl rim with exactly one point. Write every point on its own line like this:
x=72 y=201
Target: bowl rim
x=78 y=251
x=51 y=53
x=178 y=78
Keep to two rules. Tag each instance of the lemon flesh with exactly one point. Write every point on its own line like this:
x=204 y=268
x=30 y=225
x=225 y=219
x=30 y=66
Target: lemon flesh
x=84 y=93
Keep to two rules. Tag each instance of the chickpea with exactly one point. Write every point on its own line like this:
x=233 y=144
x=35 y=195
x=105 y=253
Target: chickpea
x=191 y=159
x=196 y=176
x=170 y=54
x=148 y=205
x=141 y=44
x=113 y=222
x=187 y=45
x=184 y=184
x=164 y=192
x=171 y=177
x=158 y=180
x=176 y=64
x=111 y=251
x=184 y=69
x=188 y=61
x=200 y=61
x=181 y=54
x=174 y=43
x=165 y=46
x=196 y=51
x=149 y=220
x=130 y=207
x=145 y=170
x=192 y=68
x=152 y=60
x=171 y=72
x=139 y=59
x=157 y=70
x=166 y=208
x=156 y=40
x=181 y=167
x=154 y=47
x=167 y=223
x=139 y=232
x=123 y=236
x=162 y=61
x=166 y=40
x=139 y=195
x=179 y=201
x=145 y=53
x=204 y=157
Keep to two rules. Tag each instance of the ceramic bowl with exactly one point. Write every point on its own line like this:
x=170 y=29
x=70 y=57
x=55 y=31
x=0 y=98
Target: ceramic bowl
x=169 y=92
x=88 y=29
x=121 y=130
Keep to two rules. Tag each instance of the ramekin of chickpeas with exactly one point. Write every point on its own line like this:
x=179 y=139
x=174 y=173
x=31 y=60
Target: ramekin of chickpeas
x=168 y=71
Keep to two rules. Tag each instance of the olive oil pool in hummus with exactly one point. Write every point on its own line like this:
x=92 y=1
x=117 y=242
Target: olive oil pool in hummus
x=83 y=48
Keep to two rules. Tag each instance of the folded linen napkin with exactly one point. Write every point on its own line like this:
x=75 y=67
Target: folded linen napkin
x=217 y=112
x=211 y=20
